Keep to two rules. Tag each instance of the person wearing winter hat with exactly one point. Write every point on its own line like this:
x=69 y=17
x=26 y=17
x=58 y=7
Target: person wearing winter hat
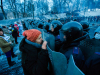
x=34 y=54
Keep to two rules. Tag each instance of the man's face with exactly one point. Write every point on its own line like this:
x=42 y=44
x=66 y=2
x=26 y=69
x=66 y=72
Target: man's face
x=62 y=37
x=1 y=32
x=39 y=39
x=97 y=36
x=52 y=29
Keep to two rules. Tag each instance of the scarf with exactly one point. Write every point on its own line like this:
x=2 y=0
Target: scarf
x=5 y=37
x=32 y=43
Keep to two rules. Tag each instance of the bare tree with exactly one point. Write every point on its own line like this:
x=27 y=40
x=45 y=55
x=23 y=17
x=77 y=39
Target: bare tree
x=21 y=9
x=24 y=7
x=13 y=7
x=3 y=10
x=54 y=8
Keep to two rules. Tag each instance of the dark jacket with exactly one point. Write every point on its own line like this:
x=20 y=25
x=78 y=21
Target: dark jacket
x=92 y=65
x=68 y=49
x=34 y=60
x=15 y=33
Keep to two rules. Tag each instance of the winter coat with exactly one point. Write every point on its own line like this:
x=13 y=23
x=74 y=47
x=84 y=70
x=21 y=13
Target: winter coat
x=4 y=45
x=92 y=65
x=15 y=33
x=73 y=49
x=20 y=27
x=34 y=60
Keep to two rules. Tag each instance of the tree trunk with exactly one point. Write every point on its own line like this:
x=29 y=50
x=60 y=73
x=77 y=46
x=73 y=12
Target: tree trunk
x=12 y=6
x=3 y=10
x=16 y=11
x=24 y=8
x=33 y=10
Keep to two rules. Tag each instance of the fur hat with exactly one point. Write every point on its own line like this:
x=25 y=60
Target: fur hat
x=32 y=34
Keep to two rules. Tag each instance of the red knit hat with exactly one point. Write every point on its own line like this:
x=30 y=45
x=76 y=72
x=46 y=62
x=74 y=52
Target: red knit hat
x=32 y=34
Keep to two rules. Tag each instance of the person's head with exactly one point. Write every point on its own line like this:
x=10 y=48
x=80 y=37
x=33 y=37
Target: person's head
x=52 y=28
x=85 y=26
x=56 y=23
x=15 y=27
x=49 y=20
x=1 y=32
x=15 y=22
x=71 y=31
x=75 y=19
x=40 y=26
x=3 y=26
x=97 y=35
x=33 y=35
x=56 y=29
x=10 y=26
x=47 y=26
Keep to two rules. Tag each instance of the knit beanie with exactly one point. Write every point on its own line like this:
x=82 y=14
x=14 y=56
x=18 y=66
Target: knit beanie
x=32 y=34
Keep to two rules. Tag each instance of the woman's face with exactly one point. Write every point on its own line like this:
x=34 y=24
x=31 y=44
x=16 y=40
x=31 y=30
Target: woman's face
x=1 y=32
x=39 y=39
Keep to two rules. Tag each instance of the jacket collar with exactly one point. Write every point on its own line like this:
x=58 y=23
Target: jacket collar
x=32 y=43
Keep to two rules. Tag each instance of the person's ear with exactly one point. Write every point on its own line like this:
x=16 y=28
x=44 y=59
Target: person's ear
x=64 y=37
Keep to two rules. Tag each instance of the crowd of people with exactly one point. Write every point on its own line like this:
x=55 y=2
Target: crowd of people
x=35 y=56
x=8 y=39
